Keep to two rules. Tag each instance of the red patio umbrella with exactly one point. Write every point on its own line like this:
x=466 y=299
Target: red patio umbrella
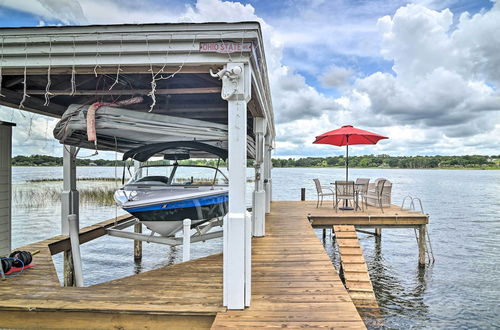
x=348 y=135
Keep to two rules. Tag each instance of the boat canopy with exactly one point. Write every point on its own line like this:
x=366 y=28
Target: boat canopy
x=120 y=129
x=171 y=149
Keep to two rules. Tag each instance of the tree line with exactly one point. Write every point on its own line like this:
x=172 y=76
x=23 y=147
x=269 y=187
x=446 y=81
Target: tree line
x=366 y=161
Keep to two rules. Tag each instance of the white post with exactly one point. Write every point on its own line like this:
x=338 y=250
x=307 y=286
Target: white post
x=267 y=171
x=5 y=187
x=236 y=90
x=74 y=236
x=248 y=258
x=69 y=205
x=186 y=240
x=69 y=195
x=259 y=194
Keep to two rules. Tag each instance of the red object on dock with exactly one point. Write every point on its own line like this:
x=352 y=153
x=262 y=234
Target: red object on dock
x=18 y=269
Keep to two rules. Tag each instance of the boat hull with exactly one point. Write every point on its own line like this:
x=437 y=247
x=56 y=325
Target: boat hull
x=166 y=217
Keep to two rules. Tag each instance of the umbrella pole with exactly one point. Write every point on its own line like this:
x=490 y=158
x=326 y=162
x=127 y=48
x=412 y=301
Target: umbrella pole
x=347 y=164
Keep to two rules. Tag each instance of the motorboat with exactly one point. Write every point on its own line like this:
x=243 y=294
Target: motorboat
x=162 y=196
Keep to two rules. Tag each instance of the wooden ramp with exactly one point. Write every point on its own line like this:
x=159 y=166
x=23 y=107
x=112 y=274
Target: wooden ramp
x=294 y=284
x=357 y=278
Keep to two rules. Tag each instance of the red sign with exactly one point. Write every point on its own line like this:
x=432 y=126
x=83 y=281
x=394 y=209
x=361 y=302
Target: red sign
x=225 y=47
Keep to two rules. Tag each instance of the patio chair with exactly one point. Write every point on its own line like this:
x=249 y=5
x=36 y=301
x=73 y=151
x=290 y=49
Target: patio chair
x=344 y=190
x=379 y=194
x=362 y=187
x=321 y=193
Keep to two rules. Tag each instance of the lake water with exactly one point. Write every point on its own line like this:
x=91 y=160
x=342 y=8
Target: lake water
x=461 y=290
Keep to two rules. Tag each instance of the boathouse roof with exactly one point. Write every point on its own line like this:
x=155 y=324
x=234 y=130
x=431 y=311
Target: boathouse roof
x=47 y=69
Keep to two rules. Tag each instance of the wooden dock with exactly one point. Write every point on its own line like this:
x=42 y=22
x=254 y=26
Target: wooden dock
x=354 y=270
x=294 y=283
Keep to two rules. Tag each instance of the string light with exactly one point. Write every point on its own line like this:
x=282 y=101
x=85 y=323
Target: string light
x=73 y=71
x=1 y=65
x=47 y=88
x=97 y=55
x=25 y=95
x=119 y=64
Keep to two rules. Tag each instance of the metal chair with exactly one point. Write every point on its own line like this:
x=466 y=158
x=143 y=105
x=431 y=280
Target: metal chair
x=319 y=191
x=379 y=190
x=344 y=190
x=362 y=188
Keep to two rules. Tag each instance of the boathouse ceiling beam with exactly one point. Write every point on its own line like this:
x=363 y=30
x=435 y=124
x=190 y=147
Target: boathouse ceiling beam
x=144 y=69
x=205 y=90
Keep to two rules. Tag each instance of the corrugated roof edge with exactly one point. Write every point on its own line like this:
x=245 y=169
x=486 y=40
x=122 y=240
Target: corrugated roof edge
x=129 y=25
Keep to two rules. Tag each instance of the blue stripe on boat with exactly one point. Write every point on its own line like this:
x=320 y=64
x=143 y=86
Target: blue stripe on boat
x=200 y=201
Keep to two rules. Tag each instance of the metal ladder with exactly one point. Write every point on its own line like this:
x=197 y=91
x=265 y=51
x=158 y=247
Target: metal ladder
x=411 y=208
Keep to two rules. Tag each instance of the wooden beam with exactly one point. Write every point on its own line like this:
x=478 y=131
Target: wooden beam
x=106 y=70
x=203 y=90
x=32 y=104
x=373 y=221
x=97 y=320
x=86 y=234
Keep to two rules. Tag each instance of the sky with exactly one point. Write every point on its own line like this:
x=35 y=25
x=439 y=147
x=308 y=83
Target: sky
x=424 y=73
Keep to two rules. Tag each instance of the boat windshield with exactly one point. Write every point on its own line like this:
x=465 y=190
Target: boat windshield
x=178 y=175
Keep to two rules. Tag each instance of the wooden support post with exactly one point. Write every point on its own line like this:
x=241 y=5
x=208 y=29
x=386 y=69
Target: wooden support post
x=421 y=245
x=302 y=194
x=378 y=231
x=69 y=205
x=259 y=194
x=69 y=275
x=138 y=243
x=267 y=172
x=324 y=235
x=236 y=84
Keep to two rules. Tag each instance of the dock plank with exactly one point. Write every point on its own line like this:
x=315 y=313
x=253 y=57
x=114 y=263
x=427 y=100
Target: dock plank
x=294 y=283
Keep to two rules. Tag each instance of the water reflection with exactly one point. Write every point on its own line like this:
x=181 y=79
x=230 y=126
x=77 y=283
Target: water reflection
x=459 y=291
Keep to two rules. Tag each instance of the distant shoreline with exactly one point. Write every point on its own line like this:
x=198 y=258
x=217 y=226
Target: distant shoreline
x=489 y=168
x=468 y=162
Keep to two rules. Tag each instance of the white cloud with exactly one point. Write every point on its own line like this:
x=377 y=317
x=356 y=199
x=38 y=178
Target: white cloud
x=335 y=76
x=441 y=97
x=62 y=10
x=440 y=72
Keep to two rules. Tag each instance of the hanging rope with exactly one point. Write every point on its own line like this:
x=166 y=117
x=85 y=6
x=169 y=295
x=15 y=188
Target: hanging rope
x=25 y=95
x=47 y=88
x=1 y=65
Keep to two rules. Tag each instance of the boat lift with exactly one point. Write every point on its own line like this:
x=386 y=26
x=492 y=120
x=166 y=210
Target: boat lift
x=202 y=234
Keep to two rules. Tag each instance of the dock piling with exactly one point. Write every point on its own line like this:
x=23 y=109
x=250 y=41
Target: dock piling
x=421 y=245
x=138 y=243
x=186 y=240
x=302 y=194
